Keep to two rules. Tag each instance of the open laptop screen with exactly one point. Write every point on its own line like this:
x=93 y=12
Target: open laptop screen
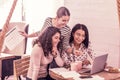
x=99 y=63
x=97 y=66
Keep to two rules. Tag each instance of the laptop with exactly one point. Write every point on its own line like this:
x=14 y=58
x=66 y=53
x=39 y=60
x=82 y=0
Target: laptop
x=97 y=66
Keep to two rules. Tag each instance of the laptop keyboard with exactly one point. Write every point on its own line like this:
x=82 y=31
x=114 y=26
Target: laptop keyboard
x=85 y=70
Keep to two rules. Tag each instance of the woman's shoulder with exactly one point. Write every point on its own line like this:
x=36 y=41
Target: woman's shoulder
x=37 y=51
x=48 y=19
x=66 y=29
x=37 y=46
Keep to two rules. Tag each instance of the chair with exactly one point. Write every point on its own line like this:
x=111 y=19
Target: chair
x=21 y=67
x=21 y=47
x=18 y=51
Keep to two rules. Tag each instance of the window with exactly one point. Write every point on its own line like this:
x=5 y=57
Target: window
x=34 y=12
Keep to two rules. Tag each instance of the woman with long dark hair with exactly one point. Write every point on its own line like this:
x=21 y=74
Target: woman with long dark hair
x=45 y=49
x=79 y=41
x=60 y=22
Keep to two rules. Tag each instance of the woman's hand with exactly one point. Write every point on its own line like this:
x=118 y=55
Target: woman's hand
x=86 y=62
x=77 y=52
x=73 y=51
x=69 y=50
x=54 y=51
x=23 y=33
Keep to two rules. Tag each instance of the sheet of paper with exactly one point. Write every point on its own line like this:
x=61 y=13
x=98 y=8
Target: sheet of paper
x=70 y=74
x=58 y=70
x=65 y=73
x=73 y=74
x=13 y=38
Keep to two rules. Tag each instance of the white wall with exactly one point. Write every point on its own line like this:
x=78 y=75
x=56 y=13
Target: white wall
x=36 y=12
x=101 y=18
x=5 y=6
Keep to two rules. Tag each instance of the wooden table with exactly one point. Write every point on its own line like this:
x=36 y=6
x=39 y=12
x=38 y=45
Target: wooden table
x=109 y=76
x=6 y=64
x=2 y=57
x=6 y=56
x=104 y=74
x=58 y=77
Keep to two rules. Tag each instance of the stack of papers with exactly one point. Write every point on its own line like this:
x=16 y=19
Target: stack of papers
x=65 y=73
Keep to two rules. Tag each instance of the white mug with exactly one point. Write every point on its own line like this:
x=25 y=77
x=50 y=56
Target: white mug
x=76 y=66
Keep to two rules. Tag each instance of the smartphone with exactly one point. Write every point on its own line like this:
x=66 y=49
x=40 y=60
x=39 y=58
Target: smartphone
x=85 y=76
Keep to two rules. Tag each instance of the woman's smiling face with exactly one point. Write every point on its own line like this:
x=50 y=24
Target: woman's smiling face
x=55 y=39
x=62 y=21
x=79 y=36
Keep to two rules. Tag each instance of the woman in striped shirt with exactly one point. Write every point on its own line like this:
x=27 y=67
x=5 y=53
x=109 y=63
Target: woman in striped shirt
x=60 y=21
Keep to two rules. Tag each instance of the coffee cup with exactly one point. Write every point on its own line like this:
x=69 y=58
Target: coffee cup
x=76 y=66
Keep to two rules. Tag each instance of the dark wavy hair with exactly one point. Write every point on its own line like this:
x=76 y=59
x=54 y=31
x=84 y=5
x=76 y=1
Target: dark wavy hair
x=45 y=40
x=84 y=28
x=63 y=11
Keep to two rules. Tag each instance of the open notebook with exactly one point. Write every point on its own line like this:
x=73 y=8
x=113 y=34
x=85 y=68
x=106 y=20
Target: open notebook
x=72 y=75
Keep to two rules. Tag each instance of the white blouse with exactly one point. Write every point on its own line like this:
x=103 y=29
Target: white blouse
x=87 y=52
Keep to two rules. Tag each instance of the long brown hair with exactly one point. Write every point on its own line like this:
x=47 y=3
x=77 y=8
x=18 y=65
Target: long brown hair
x=84 y=28
x=45 y=40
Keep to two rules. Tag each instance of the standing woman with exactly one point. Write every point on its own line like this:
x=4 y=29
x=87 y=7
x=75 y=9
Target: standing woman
x=45 y=48
x=60 y=22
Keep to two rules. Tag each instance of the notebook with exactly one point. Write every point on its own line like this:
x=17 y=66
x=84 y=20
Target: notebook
x=97 y=66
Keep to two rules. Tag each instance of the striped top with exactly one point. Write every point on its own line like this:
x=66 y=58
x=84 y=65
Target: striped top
x=65 y=32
